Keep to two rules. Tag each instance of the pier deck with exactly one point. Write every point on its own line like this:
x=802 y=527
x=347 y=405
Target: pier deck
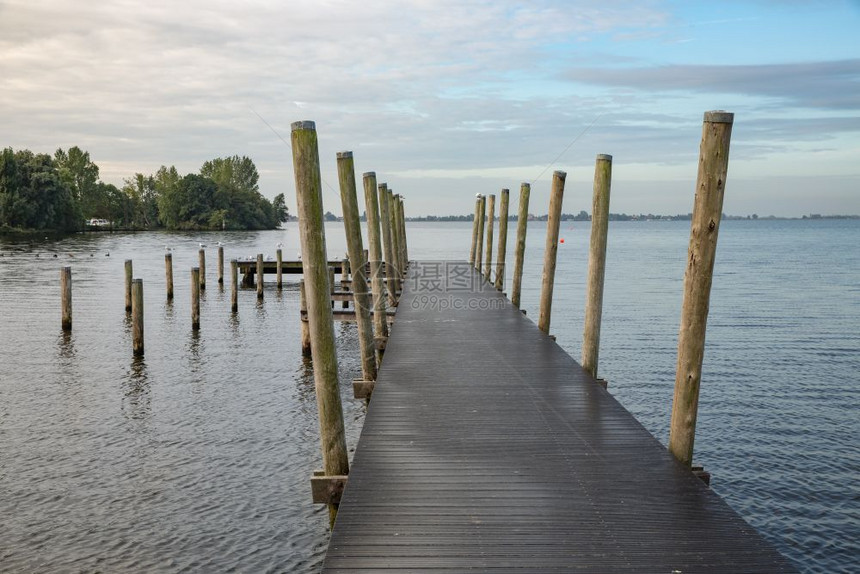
x=486 y=447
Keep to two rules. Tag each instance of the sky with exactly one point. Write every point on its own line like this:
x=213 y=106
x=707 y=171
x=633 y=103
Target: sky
x=444 y=99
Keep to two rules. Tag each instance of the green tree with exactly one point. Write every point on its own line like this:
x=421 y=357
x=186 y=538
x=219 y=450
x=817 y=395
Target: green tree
x=140 y=189
x=236 y=171
x=81 y=175
x=32 y=194
x=279 y=206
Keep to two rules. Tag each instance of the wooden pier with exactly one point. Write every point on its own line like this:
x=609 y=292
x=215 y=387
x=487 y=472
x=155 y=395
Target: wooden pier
x=486 y=447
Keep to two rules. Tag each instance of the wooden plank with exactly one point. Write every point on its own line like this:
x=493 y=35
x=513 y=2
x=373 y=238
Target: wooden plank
x=487 y=447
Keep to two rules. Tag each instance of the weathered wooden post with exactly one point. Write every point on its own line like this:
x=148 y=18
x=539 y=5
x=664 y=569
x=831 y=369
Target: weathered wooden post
x=345 y=270
x=520 y=251
x=314 y=261
x=137 y=317
x=259 y=275
x=195 y=298
x=303 y=309
x=404 y=242
x=128 y=274
x=66 y=297
x=371 y=203
x=279 y=257
x=384 y=219
x=331 y=284
x=707 y=210
x=596 y=263
x=234 y=285
x=361 y=296
x=220 y=265
x=395 y=238
x=491 y=217
x=479 y=255
x=475 y=231
x=503 y=240
x=551 y=250
x=202 y=258
x=168 y=274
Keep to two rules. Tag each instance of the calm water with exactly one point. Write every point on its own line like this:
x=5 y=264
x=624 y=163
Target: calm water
x=197 y=457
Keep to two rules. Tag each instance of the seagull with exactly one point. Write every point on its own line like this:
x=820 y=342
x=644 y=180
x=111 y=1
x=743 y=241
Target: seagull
x=168 y=248
x=219 y=244
x=202 y=245
x=280 y=245
x=107 y=254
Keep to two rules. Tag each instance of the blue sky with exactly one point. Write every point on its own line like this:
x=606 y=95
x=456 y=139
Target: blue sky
x=445 y=99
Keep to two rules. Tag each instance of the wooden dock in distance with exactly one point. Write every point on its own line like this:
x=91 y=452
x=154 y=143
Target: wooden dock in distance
x=486 y=447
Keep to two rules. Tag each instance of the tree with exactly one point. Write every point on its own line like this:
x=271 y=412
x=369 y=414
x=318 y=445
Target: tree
x=279 y=205
x=140 y=189
x=233 y=171
x=32 y=194
x=81 y=175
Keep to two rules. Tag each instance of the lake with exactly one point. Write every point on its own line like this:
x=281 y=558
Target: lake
x=197 y=457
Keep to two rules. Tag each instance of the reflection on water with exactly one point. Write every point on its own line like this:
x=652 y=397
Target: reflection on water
x=196 y=457
x=137 y=398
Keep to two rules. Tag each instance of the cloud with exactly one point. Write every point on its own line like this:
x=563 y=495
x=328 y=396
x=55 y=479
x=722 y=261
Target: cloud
x=833 y=85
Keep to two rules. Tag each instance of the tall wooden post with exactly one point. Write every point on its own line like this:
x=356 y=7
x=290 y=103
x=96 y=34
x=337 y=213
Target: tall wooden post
x=472 y=250
x=202 y=258
x=314 y=261
x=520 y=251
x=384 y=219
x=596 y=263
x=128 y=274
x=479 y=254
x=371 y=204
x=707 y=210
x=137 y=317
x=503 y=240
x=404 y=242
x=66 y=297
x=551 y=250
x=195 y=298
x=220 y=265
x=491 y=217
x=362 y=300
x=234 y=285
x=395 y=238
x=279 y=257
x=259 y=275
x=305 y=329
x=168 y=274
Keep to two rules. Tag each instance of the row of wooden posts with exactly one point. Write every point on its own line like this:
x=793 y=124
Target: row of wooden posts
x=707 y=211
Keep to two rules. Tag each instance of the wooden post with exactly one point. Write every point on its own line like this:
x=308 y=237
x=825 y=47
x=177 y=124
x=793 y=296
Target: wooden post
x=314 y=254
x=475 y=231
x=520 y=252
x=259 y=275
x=220 y=265
x=303 y=308
x=361 y=296
x=503 y=240
x=596 y=263
x=331 y=284
x=384 y=219
x=137 y=317
x=345 y=267
x=202 y=257
x=491 y=217
x=66 y=297
x=380 y=309
x=707 y=210
x=128 y=274
x=168 y=274
x=403 y=234
x=279 y=257
x=395 y=238
x=195 y=298
x=551 y=250
x=479 y=252
x=234 y=285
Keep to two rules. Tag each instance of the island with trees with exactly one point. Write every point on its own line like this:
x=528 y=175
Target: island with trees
x=62 y=192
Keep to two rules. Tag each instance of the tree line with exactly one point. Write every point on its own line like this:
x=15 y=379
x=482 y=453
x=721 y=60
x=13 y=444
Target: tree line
x=63 y=191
